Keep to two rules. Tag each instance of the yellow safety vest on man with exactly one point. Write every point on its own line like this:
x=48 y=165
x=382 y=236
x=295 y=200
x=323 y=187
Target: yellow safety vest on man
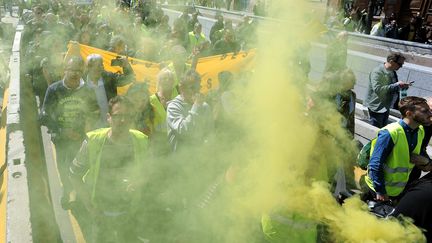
x=397 y=167
x=96 y=140
x=160 y=114
x=195 y=40
x=177 y=76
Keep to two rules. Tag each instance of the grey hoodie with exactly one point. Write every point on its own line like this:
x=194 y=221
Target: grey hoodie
x=188 y=124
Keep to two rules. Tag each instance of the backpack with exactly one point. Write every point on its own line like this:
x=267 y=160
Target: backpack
x=364 y=156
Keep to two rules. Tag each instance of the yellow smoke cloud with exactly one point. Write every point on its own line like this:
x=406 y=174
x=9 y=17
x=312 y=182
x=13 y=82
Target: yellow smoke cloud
x=292 y=152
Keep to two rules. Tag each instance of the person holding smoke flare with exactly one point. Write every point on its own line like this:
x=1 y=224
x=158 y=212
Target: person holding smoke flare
x=159 y=102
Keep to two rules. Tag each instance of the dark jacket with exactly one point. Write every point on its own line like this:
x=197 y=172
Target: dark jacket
x=64 y=109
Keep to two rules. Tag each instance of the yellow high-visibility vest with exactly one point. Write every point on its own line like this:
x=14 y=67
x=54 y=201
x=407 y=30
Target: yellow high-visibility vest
x=397 y=167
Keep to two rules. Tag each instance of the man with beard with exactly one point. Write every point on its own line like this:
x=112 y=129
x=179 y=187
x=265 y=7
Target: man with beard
x=392 y=151
x=416 y=201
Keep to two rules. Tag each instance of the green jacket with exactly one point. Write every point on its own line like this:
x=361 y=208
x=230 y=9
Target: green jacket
x=382 y=91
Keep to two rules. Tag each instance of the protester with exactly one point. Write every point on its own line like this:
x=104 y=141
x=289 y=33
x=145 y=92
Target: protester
x=259 y=8
x=245 y=32
x=389 y=167
x=118 y=198
x=159 y=102
x=117 y=45
x=337 y=53
x=416 y=201
x=178 y=66
x=378 y=28
x=338 y=87
x=416 y=204
x=219 y=34
x=383 y=89
x=196 y=37
x=192 y=22
x=143 y=117
x=227 y=44
x=409 y=31
x=391 y=30
x=189 y=118
x=68 y=110
x=105 y=83
x=107 y=171
x=218 y=25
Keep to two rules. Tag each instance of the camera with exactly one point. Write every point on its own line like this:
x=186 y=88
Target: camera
x=117 y=62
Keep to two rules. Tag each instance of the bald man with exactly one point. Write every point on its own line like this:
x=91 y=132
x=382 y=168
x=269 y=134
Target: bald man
x=68 y=109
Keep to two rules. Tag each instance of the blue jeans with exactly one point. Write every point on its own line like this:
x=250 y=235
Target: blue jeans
x=378 y=119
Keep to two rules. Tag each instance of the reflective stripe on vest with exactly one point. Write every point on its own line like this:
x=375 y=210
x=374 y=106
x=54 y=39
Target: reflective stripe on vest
x=397 y=167
x=397 y=184
x=396 y=170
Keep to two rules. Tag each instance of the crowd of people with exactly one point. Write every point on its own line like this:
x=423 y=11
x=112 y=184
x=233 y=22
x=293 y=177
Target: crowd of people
x=111 y=149
x=104 y=141
x=417 y=30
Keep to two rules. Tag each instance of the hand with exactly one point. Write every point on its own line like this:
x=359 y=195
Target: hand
x=382 y=198
x=198 y=99
x=403 y=85
x=419 y=160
